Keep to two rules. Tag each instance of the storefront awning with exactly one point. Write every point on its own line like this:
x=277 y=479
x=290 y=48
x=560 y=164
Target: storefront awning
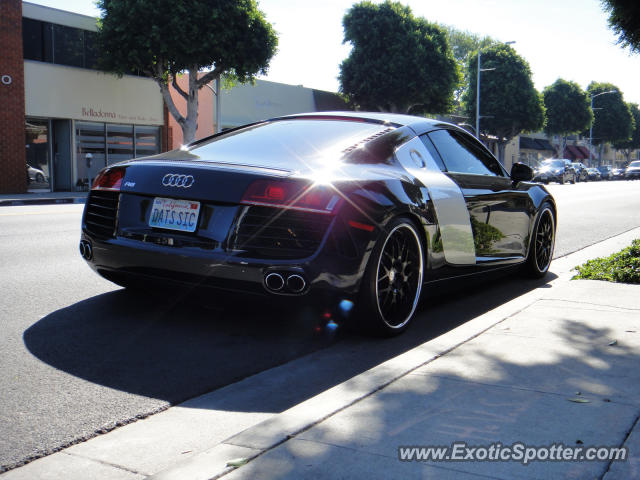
x=527 y=143
x=576 y=153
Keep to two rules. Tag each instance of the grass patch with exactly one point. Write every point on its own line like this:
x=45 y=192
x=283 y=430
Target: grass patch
x=623 y=267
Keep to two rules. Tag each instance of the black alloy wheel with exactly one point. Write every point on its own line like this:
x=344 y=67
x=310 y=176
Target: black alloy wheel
x=542 y=243
x=392 y=284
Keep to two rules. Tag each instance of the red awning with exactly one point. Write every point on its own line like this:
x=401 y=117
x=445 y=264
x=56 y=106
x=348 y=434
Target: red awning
x=584 y=150
x=574 y=153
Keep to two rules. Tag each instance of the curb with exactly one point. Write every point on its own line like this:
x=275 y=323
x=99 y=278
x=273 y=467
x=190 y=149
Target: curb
x=263 y=435
x=259 y=439
x=41 y=201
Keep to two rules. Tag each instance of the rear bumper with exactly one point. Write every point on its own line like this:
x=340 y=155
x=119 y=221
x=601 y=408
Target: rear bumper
x=126 y=261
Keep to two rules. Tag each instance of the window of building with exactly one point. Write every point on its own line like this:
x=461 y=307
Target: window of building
x=90 y=152
x=53 y=43
x=119 y=143
x=147 y=141
x=37 y=154
x=102 y=144
x=68 y=46
x=32 y=39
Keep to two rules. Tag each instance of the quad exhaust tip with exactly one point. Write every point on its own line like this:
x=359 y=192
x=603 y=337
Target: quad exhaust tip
x=274 y=281
x=85 y=250
x=295 y=283
x=284 y=282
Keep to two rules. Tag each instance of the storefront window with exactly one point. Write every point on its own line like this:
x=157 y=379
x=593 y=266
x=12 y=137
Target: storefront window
x=37 y=146
x=90 y=150
x=102 y=144
x=147 y=141
x=119 y=143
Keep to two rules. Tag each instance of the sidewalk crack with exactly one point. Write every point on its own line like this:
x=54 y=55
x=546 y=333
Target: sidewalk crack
x=109 y=464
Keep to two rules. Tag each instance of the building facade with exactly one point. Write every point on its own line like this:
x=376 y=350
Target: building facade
x=63 y=119
x=74 y=119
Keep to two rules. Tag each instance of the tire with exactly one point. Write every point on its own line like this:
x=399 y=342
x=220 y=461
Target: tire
x=542 y=243
x=392 y=282
x=39 y=178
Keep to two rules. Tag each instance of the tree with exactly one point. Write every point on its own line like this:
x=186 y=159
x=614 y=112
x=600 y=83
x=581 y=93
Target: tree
x=399 y=63
x=162 y=38
x=624 y=20
x=509 y=104
x=627 y=147
x=463 y=44
x=567 y=108
x=612 y=120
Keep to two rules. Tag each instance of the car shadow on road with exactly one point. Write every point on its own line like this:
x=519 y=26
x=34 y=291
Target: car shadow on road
x=174 y=349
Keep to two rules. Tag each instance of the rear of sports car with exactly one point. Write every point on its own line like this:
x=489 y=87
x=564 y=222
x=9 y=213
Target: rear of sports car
x=247 y=211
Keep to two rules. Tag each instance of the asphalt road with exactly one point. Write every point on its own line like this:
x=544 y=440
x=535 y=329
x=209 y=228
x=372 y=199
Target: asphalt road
x=80 y=356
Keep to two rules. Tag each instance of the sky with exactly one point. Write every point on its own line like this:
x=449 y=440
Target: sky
x=567 y=39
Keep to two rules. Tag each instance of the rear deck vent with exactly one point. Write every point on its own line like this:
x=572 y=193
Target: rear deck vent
x=267 y=232
x=368 y=139
x=100 y=215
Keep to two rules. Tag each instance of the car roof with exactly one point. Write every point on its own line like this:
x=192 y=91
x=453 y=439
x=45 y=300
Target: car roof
x=395 y=119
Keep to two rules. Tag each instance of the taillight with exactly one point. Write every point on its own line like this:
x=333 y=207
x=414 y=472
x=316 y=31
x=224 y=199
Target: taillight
x=109 y=179
x=294 y=195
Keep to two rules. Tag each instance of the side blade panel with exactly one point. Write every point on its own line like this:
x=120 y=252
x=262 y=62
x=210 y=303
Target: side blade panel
x=448 y=202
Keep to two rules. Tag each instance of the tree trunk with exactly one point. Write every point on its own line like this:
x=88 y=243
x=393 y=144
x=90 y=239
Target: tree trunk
x=600 y=149
x=188 y=122
x=563 y=146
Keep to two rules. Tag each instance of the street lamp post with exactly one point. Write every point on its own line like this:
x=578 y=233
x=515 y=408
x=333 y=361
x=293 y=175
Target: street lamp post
x=478 y=116
x=591 y=126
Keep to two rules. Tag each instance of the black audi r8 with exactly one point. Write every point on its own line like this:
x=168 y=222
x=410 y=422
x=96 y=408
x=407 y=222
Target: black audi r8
x=362 y=208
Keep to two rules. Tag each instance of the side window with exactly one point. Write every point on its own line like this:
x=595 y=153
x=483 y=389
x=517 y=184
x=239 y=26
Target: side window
x=462 y=154
x=434 y=153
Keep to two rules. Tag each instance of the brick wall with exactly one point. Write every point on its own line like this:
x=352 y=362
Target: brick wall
x=13 y=177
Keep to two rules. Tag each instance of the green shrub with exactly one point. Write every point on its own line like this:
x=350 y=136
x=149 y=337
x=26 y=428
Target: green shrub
x=623 y=266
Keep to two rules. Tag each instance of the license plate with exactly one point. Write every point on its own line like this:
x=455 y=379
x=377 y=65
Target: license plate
x=174 y=214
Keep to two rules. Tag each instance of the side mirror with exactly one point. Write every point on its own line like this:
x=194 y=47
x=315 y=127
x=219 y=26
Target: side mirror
x=521 y=172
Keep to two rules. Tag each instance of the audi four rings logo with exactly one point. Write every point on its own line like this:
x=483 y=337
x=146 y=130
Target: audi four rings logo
x=175 y=180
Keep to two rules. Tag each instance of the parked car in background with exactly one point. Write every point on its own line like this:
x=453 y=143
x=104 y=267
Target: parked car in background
x=633 y=170
x=617 y=174
x=555 y=170
x=581 y=171
x=35 y=174
x=605 y=172
x=594 y=174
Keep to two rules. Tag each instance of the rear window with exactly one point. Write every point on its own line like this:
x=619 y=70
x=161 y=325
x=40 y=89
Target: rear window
x=273 y=144
x=635 y=164
x=553 y=163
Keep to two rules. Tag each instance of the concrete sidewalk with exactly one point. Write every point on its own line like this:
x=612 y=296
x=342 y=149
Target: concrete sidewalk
x=42 y=198
x=510 y=375
x=517 y=382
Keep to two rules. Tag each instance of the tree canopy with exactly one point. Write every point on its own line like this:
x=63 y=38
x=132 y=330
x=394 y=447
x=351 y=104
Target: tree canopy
x=624 y=20
x=162 y=38
x=464 y=43
x=399 y=62
x=567 y=108
x=633 y=143
x=612 y=119
x=509 y=103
